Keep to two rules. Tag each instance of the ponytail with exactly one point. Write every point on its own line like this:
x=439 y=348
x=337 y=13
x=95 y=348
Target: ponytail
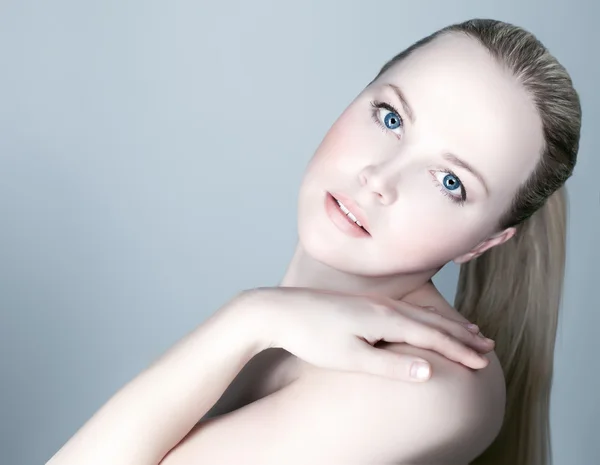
x=513 y=292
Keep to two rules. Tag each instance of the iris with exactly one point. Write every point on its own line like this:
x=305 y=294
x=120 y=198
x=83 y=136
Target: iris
x=451 y=182
x=392 y=121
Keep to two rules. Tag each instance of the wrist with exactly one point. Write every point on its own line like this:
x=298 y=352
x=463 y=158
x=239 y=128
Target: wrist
x=248 y=315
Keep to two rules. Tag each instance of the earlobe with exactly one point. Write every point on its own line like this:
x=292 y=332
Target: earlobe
x=496 y=239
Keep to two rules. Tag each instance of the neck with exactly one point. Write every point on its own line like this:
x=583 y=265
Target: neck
x=305 y=271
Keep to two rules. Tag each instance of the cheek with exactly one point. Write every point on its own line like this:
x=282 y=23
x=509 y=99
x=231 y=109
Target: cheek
x=430 y=231
x=344 y=138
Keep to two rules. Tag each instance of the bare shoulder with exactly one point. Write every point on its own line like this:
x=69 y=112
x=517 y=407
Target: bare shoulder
x=335 y=417
x=491 y=379
x=486 y=388
x=450 y=419
x=470 y=403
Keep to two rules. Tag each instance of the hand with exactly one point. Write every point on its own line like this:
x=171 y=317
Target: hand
x=338 y=331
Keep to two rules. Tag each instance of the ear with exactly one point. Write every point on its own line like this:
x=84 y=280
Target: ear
x=496 y=239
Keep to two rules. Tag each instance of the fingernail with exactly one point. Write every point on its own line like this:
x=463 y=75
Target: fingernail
x=420 y=370
x=472 y=327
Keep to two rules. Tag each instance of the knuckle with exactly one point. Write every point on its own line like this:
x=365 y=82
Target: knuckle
x=461 y=331
x=470 y=335
x=394 y=368
x=388 y=369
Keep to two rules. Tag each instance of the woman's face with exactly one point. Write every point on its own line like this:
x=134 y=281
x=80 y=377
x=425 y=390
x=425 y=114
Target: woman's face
x=404 y=163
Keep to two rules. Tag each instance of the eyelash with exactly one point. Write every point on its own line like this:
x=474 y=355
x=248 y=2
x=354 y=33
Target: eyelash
x=377 y=105
x=458 y=200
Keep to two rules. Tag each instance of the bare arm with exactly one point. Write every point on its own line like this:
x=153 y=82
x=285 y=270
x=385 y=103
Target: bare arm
x=266 y=373
x=336 y=418
x=331 y=417
x=152 y=413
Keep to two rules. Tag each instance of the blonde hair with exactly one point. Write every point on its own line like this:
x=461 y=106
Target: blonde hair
x=513 y=291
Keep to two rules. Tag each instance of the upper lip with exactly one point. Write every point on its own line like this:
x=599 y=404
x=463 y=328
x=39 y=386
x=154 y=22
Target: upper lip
x=354 y=209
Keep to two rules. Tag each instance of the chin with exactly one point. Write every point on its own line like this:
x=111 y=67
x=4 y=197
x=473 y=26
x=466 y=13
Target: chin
x=336 y=253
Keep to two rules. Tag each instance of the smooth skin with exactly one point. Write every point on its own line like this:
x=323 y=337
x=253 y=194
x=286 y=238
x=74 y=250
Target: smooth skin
x=424 y=209
x=201 y=366
x=341 y=416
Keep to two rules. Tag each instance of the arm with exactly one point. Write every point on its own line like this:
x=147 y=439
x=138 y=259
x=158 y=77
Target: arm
x=266 y=373
x=149 y=416
x=152 y=413
x=337 y=417
x=331 y=417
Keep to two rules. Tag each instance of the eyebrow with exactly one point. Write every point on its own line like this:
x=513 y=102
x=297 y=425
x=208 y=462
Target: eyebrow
x=403 y=101
x=448 y=156
x=463 y=164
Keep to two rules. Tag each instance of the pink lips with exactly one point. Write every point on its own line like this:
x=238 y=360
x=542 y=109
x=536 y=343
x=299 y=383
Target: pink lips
x=354 y=209
x=341 y=220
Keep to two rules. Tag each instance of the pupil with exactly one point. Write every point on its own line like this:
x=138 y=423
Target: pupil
x=391 y=121
x=450 y=182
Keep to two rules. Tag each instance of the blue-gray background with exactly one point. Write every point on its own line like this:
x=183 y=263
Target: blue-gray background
x=150 y=157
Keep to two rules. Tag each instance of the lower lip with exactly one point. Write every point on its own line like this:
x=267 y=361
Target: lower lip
x=342 y=221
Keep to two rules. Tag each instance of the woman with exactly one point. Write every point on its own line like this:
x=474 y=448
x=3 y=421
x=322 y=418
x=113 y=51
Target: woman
x=457 y=150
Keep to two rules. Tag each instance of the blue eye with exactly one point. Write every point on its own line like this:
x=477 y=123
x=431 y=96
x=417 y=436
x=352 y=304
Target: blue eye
x=450 y=185
x=451 y=182
x=392 y=121
x=387 y=117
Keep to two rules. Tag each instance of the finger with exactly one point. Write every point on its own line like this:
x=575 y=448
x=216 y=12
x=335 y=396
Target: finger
x=414 y=310
x=401 y=367
x=470 y=326
x=467 y=333
x=419 y=335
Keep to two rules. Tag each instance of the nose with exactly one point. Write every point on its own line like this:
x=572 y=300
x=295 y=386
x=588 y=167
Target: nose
x=379 y=181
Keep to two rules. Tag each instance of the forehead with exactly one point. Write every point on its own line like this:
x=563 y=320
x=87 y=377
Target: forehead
x=466 y=102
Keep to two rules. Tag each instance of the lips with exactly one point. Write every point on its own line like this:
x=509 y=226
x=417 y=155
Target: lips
x=354 y=209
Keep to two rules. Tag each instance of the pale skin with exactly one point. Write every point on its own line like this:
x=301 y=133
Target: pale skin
x=335 y=408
